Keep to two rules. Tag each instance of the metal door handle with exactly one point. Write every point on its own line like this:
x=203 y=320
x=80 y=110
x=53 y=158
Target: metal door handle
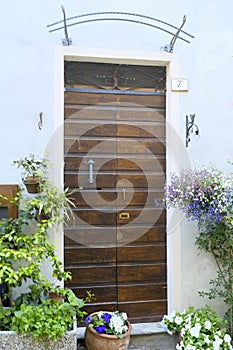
x=124 y=215
x=91 y=166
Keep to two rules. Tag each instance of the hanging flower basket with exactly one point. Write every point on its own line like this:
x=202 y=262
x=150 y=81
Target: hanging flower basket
x=32 y=184
x=105 y=341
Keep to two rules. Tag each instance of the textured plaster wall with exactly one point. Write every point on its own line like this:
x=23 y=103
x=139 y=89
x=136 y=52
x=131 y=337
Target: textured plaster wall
x=28 y=87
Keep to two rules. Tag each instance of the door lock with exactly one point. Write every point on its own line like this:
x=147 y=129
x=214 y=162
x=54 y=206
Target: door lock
x=124 y=215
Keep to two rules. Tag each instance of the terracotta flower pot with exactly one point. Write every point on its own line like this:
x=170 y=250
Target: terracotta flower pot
x=32 y=184
x=96 y=341
x=41 y=216
x=55 y=296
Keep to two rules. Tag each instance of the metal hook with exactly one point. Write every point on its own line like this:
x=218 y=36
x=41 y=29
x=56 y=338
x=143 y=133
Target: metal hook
x=40 y=122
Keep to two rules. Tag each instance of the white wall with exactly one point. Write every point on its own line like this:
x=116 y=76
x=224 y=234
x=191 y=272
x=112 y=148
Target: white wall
x=29 y=77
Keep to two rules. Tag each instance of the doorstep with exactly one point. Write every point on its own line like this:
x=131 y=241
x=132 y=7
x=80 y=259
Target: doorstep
x=144 y=336
x=137 y=329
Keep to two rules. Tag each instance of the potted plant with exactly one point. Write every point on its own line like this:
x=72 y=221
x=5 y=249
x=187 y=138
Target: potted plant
x=199 y=329
x=48 y=318
x=107 y=330
x=33 y=319
x=43 y=321
x=53 y=203
x=34 y=169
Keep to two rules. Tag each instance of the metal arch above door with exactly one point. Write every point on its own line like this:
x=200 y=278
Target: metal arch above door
x=115 y=155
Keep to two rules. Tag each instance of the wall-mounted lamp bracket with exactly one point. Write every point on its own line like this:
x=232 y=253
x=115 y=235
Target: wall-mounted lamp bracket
x=190 y=127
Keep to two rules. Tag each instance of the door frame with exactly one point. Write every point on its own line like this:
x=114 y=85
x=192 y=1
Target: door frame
x=176 y=153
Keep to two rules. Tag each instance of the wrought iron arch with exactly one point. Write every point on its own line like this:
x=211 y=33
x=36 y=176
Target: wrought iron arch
x=168 y=47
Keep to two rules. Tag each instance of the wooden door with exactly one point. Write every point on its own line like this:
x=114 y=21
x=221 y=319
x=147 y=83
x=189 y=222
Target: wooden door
x=116 y=245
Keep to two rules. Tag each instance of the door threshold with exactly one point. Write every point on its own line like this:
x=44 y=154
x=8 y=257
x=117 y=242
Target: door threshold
x=137 y=329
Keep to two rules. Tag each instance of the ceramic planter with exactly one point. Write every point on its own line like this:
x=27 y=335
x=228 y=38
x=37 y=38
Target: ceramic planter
x=32 y=184
x=96 y=341
x=55 y=296
x=41 y=216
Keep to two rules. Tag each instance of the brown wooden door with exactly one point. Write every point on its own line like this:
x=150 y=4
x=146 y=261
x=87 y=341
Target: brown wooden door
x=116 y=246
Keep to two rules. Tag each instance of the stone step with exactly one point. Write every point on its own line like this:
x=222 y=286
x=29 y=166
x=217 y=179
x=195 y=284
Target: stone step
x=144 y=336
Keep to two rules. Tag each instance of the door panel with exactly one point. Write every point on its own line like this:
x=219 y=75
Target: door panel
x=142 y=130
x=102 y=274
x=136 y=273
x=73 y=179
x=116 y=244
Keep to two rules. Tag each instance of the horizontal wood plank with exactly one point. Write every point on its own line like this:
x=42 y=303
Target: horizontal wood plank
x=142 y=130
x=105 y=145
x=102 y=294
x=150 y=309
x=89 y=255
x=143 y=253
x=158 y=101
x=111 y=236
x=92 y=275
x=119 y=198
x=102 y=180
x=83 y=145
x=89 y=129
x=82 y=98
x=146 y=273
x=140 y=292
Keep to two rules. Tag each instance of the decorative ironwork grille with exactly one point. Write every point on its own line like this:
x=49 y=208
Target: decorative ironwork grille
x=109 y=76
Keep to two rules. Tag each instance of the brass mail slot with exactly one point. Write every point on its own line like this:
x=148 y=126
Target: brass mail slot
x=124 y=216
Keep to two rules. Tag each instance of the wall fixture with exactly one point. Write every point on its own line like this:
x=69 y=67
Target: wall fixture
x=190 y=127
x=40 y=122
x=176 y=32
x=66 y=41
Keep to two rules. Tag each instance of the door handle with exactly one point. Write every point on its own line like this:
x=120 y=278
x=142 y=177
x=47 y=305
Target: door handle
x=123 y=194
x=91 y=167
x=125 y=215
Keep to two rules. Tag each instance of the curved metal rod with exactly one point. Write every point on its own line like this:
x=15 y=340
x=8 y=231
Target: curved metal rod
x=65 y=26
x=119 y=19
x=120 y=13
x=172 y=43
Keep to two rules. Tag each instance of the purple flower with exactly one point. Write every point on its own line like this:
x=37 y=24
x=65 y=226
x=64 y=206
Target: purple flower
x=88 y=319
x=106 y=317
x=100 y=329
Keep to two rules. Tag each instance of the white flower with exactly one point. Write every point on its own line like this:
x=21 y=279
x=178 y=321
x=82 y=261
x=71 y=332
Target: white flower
x=124 y=316
x=178 y=320
x=170 y=316
x=207 y=340
x=190 y=347
x=116 y=323
x=208 y=324
x=227 y=338
x=216 y=344
x=195 y=331
x=124 y=329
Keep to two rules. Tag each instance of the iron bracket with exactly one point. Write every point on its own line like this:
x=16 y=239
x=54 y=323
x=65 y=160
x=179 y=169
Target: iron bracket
x=190 y=127
x=66 y=41
x=169 y=47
